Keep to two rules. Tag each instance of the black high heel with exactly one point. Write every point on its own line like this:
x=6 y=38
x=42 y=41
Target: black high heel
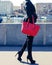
x=30 y=59
x=19 y=56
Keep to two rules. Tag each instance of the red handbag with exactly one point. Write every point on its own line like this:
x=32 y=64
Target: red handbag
x=30 y=28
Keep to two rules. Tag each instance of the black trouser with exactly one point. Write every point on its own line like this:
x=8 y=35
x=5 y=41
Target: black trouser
x=28 y=44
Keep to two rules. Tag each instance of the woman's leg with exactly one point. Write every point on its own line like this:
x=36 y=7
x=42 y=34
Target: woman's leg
x=23 y=48
x=29 y=45
x=20 y=53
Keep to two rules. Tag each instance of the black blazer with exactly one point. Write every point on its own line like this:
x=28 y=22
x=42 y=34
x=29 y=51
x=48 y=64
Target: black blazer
x=30 y=10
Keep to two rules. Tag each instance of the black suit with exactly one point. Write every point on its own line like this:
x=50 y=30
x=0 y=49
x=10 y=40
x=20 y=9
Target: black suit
x=30 y=10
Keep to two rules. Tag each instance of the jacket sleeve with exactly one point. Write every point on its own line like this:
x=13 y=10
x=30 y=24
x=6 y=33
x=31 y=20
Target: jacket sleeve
x=30 y=10
x=34 y=13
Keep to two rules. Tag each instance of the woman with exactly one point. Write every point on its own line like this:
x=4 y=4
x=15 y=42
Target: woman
x=30 y=10
x=1 y=20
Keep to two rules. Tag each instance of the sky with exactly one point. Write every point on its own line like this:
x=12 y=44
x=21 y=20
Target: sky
x=18 y=2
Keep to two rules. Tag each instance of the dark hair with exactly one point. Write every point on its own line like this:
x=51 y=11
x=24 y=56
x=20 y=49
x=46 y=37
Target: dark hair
x=27 y=0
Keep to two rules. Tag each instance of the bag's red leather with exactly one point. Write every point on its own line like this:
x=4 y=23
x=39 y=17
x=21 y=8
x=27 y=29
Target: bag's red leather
x=29 y=28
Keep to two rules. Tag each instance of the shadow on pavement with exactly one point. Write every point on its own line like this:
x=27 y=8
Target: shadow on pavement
x=28 y=63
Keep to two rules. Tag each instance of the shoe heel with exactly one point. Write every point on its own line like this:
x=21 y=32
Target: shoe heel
x=16 y=54
x=30 y=59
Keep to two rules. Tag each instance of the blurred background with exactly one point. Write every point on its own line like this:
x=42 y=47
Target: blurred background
x=11 y=17
x=11 y=13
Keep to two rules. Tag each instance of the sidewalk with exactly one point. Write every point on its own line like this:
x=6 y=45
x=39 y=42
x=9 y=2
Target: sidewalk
x=42 y=55
x=42 y=58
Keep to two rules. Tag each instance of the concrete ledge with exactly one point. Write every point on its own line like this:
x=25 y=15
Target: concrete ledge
x=35 y=48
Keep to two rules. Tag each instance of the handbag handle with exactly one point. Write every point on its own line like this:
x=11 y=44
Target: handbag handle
x=32 y=19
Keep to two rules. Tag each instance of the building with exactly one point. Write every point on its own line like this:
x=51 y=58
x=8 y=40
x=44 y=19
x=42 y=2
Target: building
x=16 y=8
x=43 y=8
x=22 y=8
x=6 y=7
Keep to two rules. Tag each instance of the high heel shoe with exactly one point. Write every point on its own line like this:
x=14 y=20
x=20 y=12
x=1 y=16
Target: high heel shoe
x=30 y=59
x=19 y=56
